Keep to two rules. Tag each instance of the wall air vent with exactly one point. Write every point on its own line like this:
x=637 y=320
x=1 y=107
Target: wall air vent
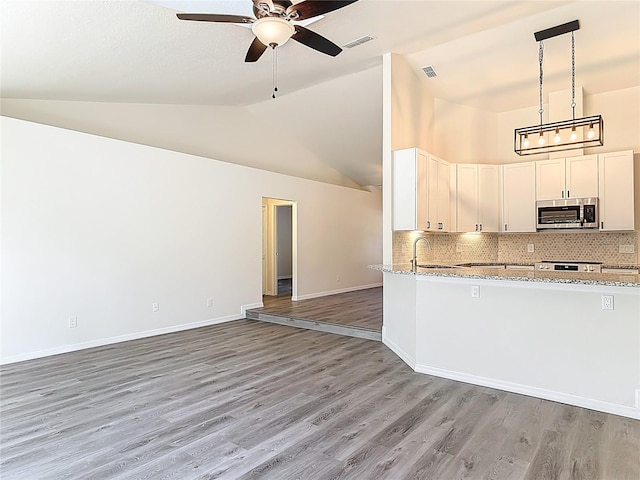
x=429 y=71
x=358 y=41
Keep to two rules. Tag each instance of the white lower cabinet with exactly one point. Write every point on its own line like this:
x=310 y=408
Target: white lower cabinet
x=616 y=191
x=519 y=197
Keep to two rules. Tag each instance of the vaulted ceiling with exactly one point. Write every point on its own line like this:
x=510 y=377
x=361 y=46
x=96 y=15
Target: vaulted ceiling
x=138 y=52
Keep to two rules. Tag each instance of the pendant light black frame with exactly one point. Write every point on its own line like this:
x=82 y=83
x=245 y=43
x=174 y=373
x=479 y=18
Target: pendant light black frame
x=589 y=131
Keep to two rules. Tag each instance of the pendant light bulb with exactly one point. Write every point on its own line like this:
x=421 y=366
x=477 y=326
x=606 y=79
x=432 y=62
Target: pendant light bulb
x=557 y=138
x=591 y=133
x=525 y=142
x=541 y=139
x=574 y=136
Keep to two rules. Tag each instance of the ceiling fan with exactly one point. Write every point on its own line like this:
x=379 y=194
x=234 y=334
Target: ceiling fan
x=275 y=23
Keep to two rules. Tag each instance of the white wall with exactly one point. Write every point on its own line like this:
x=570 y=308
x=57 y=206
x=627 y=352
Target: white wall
x=464 y=134
x=100 y=229
x=620 y=110
x=412 y=108
x=546 y=340
x=234 y=134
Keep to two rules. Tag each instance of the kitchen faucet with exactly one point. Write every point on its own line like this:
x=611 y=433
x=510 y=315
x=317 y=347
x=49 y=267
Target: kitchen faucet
x=414 y=260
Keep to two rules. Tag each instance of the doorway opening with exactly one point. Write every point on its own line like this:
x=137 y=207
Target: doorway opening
x=279 y=262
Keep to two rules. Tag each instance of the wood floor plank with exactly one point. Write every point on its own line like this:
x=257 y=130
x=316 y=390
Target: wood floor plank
x=361 y=308
x=253 y=400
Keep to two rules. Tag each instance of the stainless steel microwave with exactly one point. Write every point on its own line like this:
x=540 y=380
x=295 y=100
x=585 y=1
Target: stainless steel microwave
x=567 y=213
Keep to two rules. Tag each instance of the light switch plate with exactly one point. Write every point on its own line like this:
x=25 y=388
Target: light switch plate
x=531 y=248
x=475 y=291
x=626 y=249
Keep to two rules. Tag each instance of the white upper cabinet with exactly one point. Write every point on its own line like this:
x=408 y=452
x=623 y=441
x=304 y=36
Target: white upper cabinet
x=519 y=197
x=477 y=198
x=467 y=198
x=616 y=191
x=409 y=189
x=489 y=198
x=550 y=179
x=572 y=177
x=582 y=176
x=437 y=195
x=420 y=191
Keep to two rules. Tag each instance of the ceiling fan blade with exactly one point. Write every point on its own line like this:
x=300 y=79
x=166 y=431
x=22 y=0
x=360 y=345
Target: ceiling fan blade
x=315 y=41
x=213 y=17
x=255 y=51
x=313 y=8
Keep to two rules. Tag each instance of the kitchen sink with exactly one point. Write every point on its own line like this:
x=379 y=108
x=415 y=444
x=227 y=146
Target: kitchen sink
x=437 y=266
x=482 y=265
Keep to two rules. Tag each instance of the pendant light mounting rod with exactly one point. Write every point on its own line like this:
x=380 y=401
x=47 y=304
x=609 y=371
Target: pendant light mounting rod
x=557 y=30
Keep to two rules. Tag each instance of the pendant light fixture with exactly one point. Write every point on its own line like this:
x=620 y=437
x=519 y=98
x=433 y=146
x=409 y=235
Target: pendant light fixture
x=568 y=134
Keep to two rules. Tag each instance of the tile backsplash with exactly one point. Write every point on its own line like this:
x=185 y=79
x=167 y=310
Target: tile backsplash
x=512 y=247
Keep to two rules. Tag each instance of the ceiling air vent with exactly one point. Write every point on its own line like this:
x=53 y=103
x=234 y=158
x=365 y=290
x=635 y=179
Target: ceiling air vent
x=429 y=71
x=358 y=41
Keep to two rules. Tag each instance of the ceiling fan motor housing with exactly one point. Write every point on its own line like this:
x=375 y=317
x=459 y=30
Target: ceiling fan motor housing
x=277 y=8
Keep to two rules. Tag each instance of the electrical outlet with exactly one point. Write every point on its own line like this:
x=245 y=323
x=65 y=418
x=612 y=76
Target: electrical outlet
x=626 y=249
x=458 y=247
x=531 y=248
x=73 y=322
x=607 y=302
x=209 y=302
x=155 y=307
x=475 y=291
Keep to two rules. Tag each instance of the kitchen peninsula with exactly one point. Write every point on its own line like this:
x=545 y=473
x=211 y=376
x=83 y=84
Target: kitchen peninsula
x=544 y=334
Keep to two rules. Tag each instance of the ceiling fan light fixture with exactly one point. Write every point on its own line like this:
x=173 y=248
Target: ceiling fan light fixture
x=273 y=30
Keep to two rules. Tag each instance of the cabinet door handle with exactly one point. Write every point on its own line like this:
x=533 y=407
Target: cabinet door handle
x=476 y=227
x=562 y=193
x=568 y=194
x=480 y=227
x=601 y=224
x=505 y=227
x=428 y=224
x=440 y=225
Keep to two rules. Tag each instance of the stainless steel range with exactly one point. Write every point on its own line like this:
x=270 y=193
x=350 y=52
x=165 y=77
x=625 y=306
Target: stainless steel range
x=561 y=266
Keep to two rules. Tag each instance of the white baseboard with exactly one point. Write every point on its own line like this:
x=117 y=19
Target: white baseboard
x=120 y=338
x=406 y=358
x=244 y=308
x=335 y=292
x=590 y=403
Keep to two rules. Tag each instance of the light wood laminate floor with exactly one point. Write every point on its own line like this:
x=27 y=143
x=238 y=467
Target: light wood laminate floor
x=252 y=400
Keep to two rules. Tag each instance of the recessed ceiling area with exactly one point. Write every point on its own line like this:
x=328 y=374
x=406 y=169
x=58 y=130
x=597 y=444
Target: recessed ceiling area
x=484 y=53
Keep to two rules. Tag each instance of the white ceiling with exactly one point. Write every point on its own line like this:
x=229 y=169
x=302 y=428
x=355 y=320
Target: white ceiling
x=484 y=53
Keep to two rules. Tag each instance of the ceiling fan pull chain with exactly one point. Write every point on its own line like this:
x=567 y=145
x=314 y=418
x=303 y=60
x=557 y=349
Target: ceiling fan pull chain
x=275 y=70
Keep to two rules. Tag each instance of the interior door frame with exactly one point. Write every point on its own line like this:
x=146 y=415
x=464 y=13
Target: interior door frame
x=269 y=246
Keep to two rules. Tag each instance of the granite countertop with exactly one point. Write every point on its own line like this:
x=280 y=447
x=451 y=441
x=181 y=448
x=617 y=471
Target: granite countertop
x=492 y=273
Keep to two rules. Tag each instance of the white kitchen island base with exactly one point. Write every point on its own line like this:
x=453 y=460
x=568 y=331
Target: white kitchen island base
x=548 y=340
